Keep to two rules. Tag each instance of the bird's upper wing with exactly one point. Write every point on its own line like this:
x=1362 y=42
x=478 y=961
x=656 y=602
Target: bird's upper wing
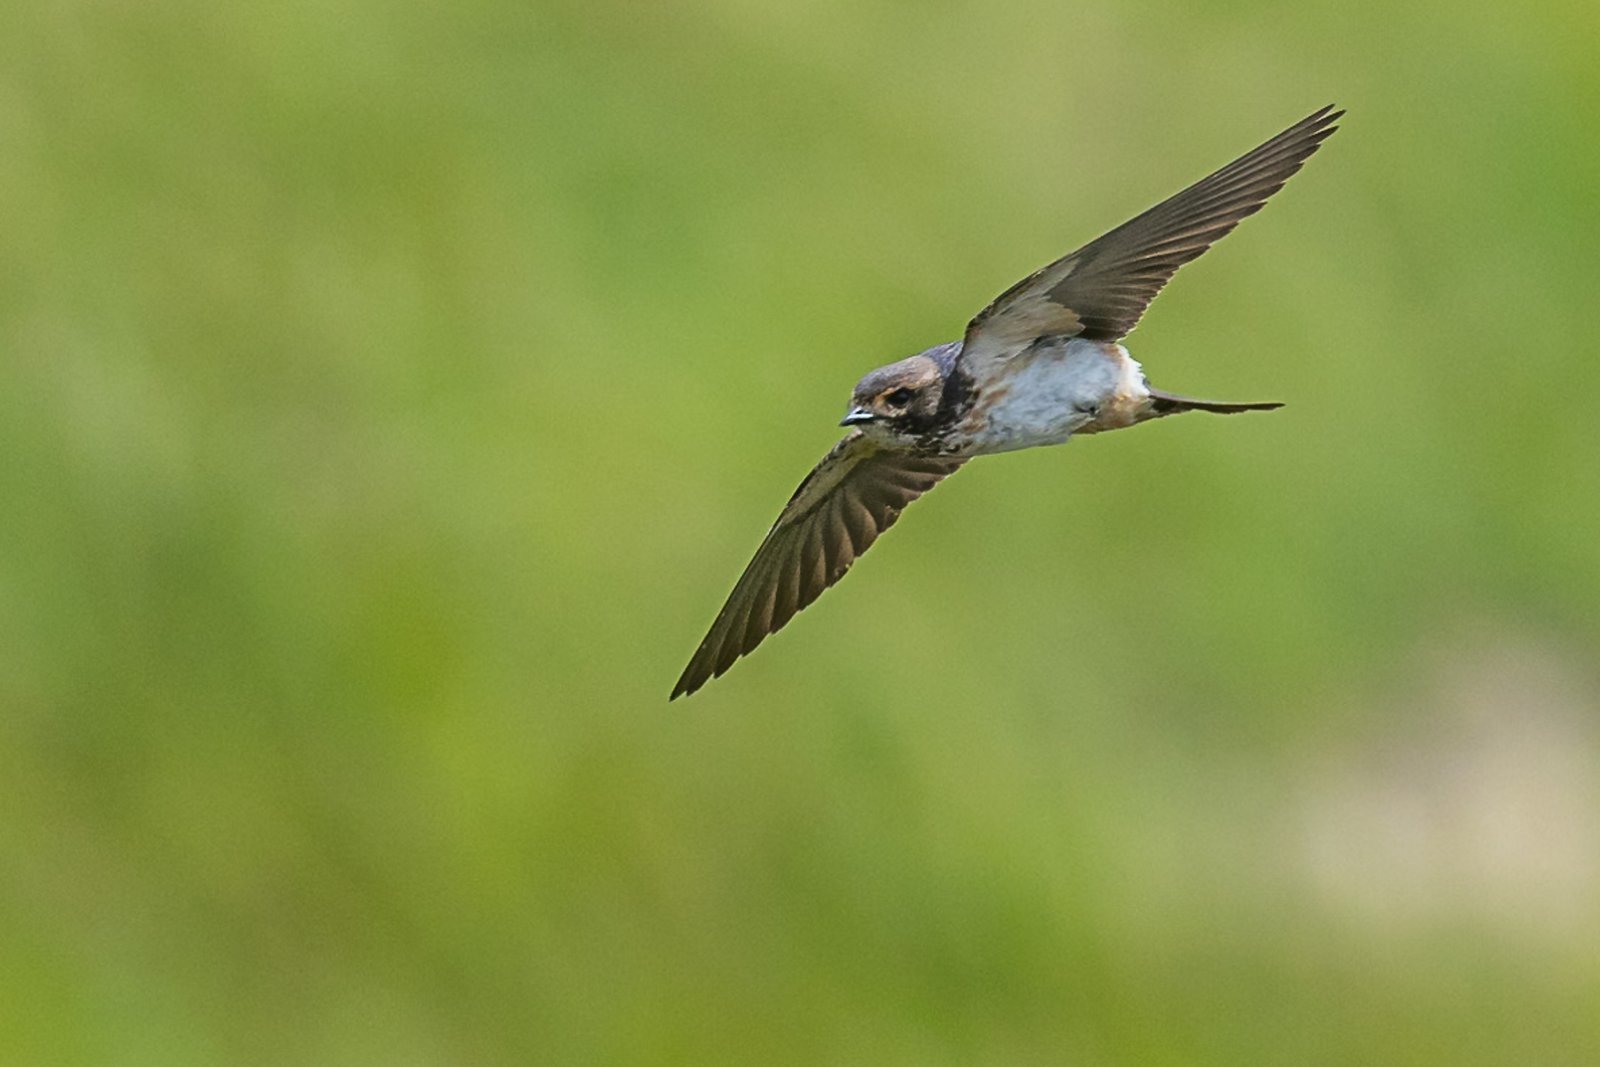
x=1101 y=290
x=852 y=496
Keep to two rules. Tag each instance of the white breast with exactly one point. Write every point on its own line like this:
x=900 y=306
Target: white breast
x=1050 y=391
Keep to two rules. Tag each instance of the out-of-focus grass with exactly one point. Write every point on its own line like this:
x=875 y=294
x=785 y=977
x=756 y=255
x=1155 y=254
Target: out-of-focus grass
x=389 y=396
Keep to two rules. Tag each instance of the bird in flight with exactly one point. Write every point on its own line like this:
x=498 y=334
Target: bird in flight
x=1039 y=365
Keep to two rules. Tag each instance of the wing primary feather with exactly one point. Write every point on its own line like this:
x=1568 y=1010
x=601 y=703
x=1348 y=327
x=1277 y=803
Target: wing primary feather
x=811 y=546
x=787 y=600
x=1101 y=290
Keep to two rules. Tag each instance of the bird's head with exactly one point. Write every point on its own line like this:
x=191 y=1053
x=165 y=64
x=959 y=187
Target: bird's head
x=897 y=400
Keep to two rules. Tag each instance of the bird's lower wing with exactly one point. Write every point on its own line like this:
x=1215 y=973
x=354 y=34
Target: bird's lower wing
x=852 y=496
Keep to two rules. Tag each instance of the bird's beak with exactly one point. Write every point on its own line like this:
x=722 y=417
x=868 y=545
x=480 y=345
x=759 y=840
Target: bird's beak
x=857 y=416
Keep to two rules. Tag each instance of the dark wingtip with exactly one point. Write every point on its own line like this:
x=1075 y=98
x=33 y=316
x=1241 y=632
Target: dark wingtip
x=1323 y=119
x=1315 y=127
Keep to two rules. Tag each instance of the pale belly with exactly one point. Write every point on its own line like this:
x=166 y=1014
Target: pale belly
x=1052 y=392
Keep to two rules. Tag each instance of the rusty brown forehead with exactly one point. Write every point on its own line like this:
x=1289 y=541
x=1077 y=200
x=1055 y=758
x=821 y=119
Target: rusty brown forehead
x=914 y=371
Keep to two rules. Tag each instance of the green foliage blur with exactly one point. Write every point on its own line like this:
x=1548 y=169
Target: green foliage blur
x=390 y=393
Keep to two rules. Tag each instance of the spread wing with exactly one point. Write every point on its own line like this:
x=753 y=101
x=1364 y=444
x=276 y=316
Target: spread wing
x=853 y=495
x=1101 y=290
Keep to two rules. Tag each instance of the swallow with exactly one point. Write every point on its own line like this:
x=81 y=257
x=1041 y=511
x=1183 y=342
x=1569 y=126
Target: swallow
x=1041 y=364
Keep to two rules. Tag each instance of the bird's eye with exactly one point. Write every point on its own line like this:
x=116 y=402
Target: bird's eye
x=899 y=398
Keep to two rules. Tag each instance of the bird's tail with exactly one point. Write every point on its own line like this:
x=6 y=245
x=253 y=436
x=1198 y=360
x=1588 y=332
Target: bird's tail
x=1169 y=404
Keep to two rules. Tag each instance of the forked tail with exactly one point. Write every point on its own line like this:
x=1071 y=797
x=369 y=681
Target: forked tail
x=1169 y=404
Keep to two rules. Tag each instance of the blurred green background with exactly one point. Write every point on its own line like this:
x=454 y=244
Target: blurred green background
x=389 y=394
